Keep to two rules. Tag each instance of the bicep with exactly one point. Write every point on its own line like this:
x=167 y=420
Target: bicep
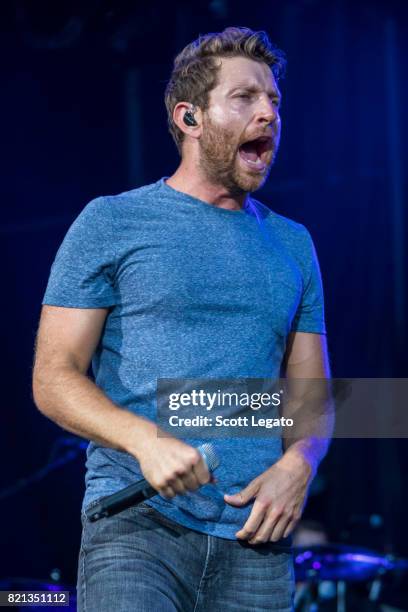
x=67 y=337
x=306 y=356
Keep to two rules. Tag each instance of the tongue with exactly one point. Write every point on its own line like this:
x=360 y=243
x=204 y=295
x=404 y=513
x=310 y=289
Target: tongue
x=249 y=152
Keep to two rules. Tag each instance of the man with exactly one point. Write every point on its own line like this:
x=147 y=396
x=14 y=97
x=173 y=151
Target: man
x=189 y=277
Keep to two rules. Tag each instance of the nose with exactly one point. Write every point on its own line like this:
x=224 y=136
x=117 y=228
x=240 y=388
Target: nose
x=267 y=111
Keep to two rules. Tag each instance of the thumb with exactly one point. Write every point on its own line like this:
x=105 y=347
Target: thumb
x=243 y=496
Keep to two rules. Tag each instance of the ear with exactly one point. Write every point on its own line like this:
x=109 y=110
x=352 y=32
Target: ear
x=178 y=113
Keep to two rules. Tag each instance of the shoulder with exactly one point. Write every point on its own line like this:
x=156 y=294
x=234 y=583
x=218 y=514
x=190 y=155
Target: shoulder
x=101 y=210
x=120 y=207
x=291 y=232
x=132 y=196
x=105 y=209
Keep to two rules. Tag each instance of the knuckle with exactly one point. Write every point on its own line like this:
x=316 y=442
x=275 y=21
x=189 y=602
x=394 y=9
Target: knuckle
x=168 y=479
x=175 y=474
x=273 y=516
x=264 y=504
x=203 y=478
x=178 y=473
x=194 y=456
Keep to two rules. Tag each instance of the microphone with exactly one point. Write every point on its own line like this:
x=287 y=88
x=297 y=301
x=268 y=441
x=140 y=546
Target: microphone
x=141 y=490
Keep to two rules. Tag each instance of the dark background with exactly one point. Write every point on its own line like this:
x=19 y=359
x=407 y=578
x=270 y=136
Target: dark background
x=83 y=115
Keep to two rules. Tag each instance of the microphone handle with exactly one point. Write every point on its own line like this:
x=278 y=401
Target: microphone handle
x=129 y=496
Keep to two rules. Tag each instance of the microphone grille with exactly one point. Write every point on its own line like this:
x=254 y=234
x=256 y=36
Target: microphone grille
x=210 y=456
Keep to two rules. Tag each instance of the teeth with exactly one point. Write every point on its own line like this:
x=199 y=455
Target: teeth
x=257 y=164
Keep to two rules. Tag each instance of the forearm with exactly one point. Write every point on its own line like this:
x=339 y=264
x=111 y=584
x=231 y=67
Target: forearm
x=309 y=450
x=77 y=404
x=313 y=417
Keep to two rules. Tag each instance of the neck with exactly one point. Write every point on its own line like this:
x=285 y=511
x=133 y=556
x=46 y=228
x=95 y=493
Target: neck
x=190 y=181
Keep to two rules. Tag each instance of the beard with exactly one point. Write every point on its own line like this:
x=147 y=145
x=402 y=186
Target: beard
x=220 y=164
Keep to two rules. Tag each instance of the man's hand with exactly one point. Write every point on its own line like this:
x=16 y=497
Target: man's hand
x=171 y=466
x=280 y=495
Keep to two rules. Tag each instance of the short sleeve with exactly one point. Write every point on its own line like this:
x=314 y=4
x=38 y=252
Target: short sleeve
x=309 y=316
x=82 y=274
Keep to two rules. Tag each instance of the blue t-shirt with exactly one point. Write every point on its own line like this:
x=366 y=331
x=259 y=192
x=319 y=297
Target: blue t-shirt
x=193 y=291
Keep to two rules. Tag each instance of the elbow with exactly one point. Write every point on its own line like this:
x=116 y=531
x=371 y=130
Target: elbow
x=37 y=391
x=40 y=389
x=49 y=386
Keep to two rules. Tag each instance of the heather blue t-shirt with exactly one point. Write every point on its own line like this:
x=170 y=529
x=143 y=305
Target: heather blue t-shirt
x=193 y=291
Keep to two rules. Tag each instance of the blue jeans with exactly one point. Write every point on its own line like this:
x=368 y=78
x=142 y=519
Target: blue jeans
x=141 y=561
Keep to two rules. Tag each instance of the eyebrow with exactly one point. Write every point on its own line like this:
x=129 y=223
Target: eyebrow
x=252 y=88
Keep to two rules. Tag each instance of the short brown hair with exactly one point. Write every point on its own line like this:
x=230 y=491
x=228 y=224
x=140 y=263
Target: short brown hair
x=195 y=69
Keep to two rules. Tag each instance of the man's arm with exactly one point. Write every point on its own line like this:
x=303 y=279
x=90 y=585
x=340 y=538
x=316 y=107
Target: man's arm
x=66 y=341
x=62 y=391
x=306 y=366
x=280 y=492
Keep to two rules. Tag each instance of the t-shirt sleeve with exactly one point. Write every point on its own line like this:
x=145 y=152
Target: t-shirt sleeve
x=309 y=316
x=82 y=274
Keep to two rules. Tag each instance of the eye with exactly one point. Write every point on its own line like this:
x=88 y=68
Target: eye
x=243 y=95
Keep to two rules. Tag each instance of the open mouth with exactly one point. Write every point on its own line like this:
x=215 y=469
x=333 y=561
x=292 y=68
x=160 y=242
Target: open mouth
x=256 y=153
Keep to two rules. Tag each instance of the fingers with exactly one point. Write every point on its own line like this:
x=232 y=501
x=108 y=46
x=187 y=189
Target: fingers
x=291 y=525
x=274 y=529
x=254 y=520
x=201 y=471
x=266 y=528
x=197 y=473
x=266 y=524
x=173 y=468
x=189 y=477
x=166 y=492
x=174 y=487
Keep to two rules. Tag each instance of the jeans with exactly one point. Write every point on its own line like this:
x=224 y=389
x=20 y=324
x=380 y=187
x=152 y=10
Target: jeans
x=141 y=561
